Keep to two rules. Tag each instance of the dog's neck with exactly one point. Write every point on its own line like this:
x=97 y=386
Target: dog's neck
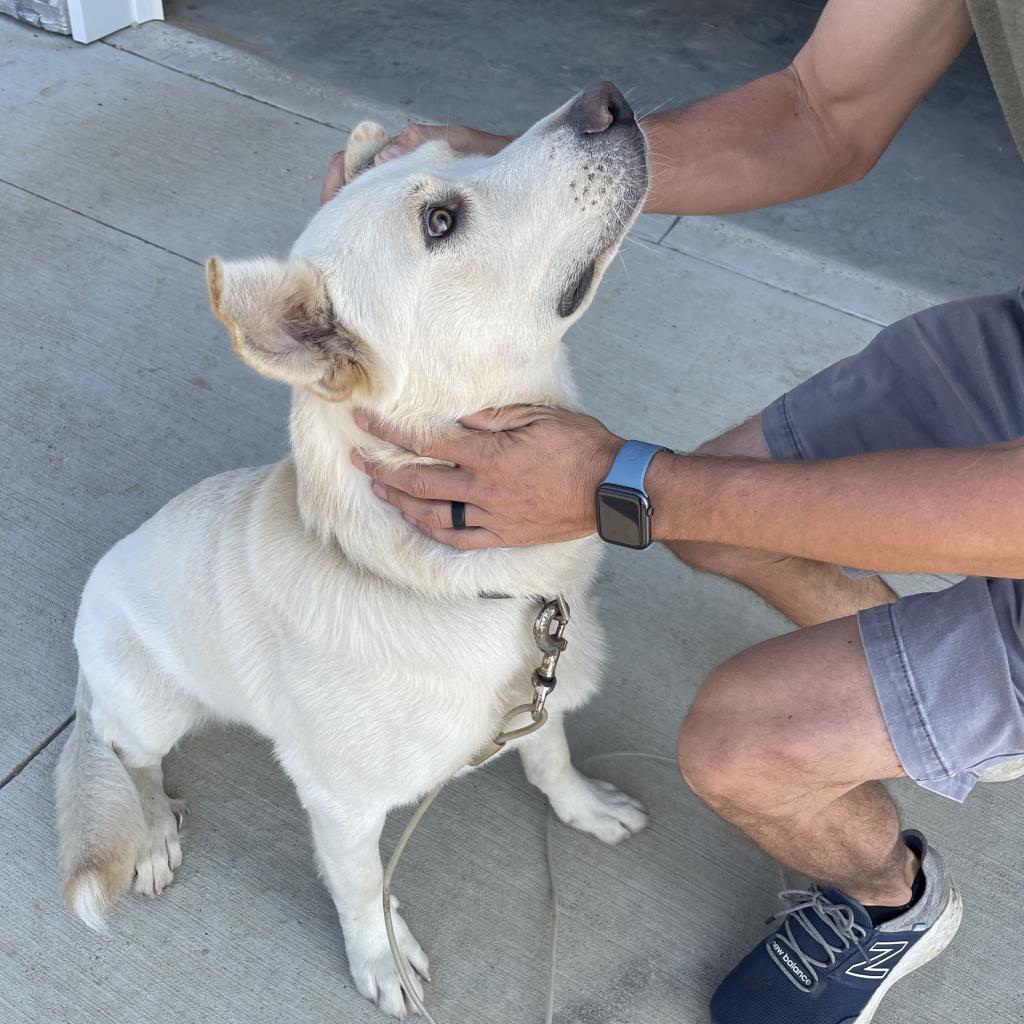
x=337 y=504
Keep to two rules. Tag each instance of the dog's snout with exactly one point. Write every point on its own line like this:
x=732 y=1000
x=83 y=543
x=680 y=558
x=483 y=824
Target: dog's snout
x=598 y=108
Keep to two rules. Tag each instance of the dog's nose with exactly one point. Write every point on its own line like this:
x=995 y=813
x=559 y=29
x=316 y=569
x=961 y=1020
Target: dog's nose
x=599 y=107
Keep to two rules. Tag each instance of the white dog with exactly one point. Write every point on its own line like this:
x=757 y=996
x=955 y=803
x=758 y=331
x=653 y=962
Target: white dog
x=290 y=599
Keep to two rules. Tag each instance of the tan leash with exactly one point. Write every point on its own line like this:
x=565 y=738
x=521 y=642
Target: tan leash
x=551 y=643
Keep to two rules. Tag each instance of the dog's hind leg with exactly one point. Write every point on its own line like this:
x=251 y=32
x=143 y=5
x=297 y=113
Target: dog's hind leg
x=589 y=805
x=114 y=820
x=346 y=833
x=142 y=733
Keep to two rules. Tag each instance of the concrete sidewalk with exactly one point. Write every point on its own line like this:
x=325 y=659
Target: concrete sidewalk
x=124 y=166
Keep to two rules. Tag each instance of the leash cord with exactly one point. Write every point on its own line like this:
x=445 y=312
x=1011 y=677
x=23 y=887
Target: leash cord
x=538 y=716
x=404 y=970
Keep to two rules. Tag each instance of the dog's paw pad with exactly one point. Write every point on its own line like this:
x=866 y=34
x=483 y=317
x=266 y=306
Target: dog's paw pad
x=602 y=810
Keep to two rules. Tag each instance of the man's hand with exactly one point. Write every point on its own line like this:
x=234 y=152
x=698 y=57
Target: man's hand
x=461 y=139
x=527 y=475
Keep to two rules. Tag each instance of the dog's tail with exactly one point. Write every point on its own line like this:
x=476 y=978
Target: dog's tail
x=100 y=822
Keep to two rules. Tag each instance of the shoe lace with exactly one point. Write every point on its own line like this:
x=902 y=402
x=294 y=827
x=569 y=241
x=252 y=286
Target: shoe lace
x=838 y=917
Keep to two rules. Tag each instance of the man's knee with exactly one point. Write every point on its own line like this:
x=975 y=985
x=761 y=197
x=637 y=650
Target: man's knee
x=716 y=748
x=736 y=753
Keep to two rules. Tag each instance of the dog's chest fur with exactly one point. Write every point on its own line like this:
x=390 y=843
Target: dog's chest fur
x=357 y=681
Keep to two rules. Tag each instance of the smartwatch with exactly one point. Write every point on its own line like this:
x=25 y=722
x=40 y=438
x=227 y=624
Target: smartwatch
x=623 y=507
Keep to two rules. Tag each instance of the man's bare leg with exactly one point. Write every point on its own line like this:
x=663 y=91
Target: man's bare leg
x=804 y=591
x=786 y=741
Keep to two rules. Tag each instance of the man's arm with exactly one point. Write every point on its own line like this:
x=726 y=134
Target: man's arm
x=943 y=510
x=529 y=476
x=820 y=123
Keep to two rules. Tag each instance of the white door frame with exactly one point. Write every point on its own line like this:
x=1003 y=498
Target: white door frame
x=94 y=19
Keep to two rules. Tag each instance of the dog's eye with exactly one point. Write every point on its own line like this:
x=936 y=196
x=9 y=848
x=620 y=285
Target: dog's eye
x=439 y=220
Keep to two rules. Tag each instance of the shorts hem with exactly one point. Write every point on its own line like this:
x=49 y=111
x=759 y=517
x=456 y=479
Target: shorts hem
x=779 y=434
x=902 y=708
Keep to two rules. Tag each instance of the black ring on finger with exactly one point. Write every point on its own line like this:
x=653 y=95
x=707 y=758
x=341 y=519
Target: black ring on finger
x=458 y=515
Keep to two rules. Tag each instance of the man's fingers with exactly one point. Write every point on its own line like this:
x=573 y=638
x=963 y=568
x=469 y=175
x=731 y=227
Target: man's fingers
x=465 y=540
x=432 y=515
x=510 y=417
x=389 y=152
x=411 y=136
x=426 y=483
x=404 y=142
x=434 y=519
x=459 y=137
x=335 y=177
x=464 y=140
x=387 y=431
x=444 y=449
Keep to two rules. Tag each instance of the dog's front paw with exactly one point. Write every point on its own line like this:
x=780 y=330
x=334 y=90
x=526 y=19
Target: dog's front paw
x=600 y=809
x=160 y=855
x=373 y=967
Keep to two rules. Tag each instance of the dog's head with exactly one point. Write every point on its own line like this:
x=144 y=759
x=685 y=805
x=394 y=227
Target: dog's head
x=437 y=283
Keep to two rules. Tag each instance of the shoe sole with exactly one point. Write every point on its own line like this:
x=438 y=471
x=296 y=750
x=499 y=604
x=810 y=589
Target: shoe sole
x=939 y=936
x=1005 y=772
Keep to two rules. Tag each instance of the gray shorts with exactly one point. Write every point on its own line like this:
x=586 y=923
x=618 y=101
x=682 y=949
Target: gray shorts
x=948 y=667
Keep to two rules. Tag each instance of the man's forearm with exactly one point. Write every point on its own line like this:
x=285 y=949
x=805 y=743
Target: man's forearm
x=954 y=510
x=752 y=147
x=819 y=124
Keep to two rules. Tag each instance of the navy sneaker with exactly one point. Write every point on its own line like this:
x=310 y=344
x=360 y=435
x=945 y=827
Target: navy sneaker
x=828 y=964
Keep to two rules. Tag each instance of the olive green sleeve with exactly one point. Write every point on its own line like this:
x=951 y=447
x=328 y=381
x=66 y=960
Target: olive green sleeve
x=999 y=26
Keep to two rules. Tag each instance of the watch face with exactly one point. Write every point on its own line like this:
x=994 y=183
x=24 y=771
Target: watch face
x=622 y=518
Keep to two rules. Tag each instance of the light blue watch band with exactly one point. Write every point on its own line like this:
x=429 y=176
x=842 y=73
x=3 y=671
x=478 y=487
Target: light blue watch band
x=630 y=465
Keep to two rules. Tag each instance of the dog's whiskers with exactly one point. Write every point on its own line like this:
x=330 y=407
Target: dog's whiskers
x=624 y=267
x=654 y=110
x=639 y=242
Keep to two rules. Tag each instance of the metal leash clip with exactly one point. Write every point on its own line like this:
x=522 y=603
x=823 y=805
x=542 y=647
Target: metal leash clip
x=551 y=643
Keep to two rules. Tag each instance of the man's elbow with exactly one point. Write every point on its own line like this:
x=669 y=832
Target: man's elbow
x=851 y=154
x=860 y=158
x=846 y=148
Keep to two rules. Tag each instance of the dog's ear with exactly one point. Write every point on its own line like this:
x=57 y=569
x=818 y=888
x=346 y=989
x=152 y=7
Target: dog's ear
x=282 y=324
x=365 y=142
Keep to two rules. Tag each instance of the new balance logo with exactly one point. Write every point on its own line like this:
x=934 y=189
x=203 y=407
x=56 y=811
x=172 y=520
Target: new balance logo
x=790 y=964
x=880 y=954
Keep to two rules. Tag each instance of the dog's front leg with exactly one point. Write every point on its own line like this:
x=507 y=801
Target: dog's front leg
x=587 y=804
x=347 y=840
